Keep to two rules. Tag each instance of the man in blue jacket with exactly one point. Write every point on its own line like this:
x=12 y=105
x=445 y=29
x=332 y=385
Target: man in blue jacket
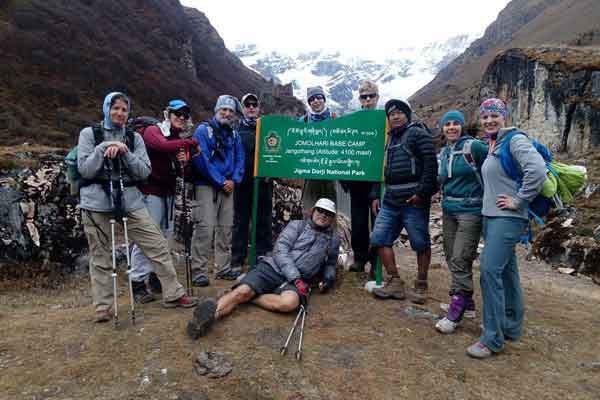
x=216 y=172
x=305 y=251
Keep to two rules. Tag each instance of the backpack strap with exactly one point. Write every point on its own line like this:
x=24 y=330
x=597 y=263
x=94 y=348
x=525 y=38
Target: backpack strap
x=99 y=136
x=468 y=156
x=404 y=145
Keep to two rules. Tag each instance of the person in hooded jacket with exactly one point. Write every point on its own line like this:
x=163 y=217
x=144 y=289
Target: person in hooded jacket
x=505 y=219
x=98 y=208
x=169 y=154
x=462 y=196
x=215 y=173
x=242 y=196
x=317 y=112
x=306 y=251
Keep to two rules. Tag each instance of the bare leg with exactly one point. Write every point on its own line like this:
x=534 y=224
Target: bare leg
x=423 y=261
x=284 y=302
x=388 y=260
x=227 y=303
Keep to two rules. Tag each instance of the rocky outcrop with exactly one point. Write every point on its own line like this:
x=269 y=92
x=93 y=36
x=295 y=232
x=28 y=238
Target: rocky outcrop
x=552 y=93
x=522 y=23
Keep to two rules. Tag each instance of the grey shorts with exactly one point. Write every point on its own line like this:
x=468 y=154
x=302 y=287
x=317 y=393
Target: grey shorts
x=263 y=279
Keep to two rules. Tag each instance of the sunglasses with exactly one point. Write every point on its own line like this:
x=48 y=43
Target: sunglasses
x=179 y=114
x=251 y=104
x=367 y=96
x=317 y=97
x=327 y=213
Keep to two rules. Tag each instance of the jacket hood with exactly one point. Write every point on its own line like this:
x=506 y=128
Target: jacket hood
x=106 y=109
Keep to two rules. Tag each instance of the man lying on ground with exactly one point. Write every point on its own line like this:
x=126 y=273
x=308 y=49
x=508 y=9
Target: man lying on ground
x=306 y=250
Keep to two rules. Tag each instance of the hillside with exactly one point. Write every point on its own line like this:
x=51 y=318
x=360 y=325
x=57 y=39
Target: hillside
x=59 y=60
x=523 y=23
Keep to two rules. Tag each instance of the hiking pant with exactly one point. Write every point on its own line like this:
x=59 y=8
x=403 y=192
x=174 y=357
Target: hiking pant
x=461 y=234
x=242 y=204
x=212 y=212
x=360 y=210
x=314 y=189
x=501 y=292
x=145 y=233
x=161 y=211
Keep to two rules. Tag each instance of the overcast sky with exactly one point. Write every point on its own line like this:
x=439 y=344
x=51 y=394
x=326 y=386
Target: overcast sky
x=370 y=27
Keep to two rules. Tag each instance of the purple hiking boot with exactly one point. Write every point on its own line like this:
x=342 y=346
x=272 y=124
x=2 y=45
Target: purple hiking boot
x=456 y=310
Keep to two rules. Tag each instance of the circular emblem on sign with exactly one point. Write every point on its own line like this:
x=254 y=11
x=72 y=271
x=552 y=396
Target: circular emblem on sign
x=273 y=142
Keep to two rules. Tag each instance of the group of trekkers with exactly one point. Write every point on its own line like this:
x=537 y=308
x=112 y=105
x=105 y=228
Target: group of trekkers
x=217 y=160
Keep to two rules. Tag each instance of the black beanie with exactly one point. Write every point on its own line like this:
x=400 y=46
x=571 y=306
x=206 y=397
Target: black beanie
x=395 y=104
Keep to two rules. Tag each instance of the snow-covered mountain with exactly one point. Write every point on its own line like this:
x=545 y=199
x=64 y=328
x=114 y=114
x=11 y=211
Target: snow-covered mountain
x=399 y=73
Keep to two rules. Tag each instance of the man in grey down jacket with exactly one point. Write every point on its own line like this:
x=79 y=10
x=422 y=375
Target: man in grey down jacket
x=305 y=250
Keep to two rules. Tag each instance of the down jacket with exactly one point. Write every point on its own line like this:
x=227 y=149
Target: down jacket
x=303 y=250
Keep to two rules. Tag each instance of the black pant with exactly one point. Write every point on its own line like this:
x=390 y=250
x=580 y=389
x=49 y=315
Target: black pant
x=242 y=205
x=360 y=208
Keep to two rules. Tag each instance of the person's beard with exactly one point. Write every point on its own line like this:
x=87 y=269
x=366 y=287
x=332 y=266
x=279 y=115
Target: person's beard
x=226 y=121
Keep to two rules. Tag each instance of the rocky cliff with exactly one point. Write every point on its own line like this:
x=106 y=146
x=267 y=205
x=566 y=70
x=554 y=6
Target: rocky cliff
x=522 y=23
x=59 y=59
x=553 y=94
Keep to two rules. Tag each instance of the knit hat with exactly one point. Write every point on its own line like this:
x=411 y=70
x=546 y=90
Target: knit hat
x=453 y=115
x=368 y=87
x=228 y=101
x=401 y=105
x=493 y=105
x=314 y=91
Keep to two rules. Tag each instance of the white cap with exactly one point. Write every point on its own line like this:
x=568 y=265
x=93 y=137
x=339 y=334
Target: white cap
x=326 y=204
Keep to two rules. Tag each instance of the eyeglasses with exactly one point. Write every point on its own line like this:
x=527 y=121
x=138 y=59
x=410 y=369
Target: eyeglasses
x=179 y=114
x=367 y=96
x=327 y=213
x=251 y=104
x=316 y=97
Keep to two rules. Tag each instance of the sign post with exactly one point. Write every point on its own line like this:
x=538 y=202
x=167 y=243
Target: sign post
x=351 y=147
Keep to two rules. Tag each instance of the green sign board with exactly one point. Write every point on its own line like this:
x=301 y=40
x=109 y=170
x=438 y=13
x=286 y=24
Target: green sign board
x=347 y=148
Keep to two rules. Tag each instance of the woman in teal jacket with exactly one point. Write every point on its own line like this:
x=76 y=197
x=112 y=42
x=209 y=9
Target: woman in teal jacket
x=462 y=196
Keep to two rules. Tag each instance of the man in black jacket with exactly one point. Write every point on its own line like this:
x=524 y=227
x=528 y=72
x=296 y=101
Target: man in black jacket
x=242 y=196
x=410 y=182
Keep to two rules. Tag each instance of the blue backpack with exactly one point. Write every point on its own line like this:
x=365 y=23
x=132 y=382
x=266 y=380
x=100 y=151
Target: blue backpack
x=540 y=206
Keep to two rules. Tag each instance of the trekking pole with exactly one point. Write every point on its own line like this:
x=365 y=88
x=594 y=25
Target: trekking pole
x=300 y=342
x=126 y=244
x=187 y=240
x=108 y=165
x=287 y=342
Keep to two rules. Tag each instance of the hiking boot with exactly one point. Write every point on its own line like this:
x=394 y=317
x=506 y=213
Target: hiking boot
x=229 y=273
x=140 y=293
x=418 y=294
x=154 y=283
x=394 y=288
x=444 y=325
x=470 y=312
x=184 y=301
x=200 y=280
x=479 y=350
x=103 y=315
x=203 y=318
x=358 y=266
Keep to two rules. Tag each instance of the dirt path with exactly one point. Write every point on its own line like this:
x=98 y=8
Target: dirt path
x=355 y=348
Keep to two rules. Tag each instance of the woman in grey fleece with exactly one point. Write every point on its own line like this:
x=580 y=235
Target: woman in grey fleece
x=98 y=208
x=505 y=217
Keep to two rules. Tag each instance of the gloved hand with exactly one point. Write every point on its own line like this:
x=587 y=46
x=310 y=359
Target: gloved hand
x=302 y=287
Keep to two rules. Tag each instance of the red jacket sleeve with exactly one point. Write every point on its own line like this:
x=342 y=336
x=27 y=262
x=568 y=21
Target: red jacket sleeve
x=155 y=140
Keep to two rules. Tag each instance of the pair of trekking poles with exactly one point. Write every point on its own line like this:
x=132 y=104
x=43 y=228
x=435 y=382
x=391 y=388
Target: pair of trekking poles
x=186 y=232
x=300 y=318
x=119 y=213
